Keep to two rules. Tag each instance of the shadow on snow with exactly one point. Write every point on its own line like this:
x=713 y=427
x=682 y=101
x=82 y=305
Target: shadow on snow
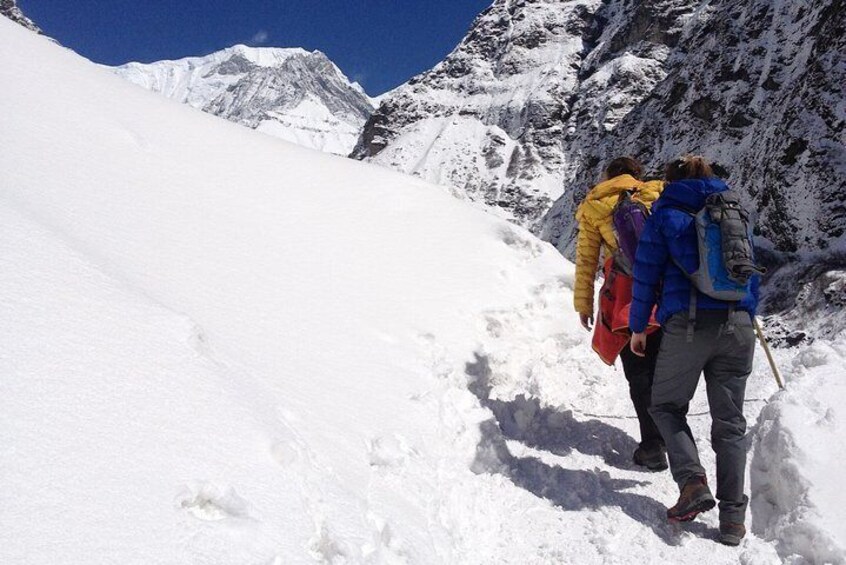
x=526 y=421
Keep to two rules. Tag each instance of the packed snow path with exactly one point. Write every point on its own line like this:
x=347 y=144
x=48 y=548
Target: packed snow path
x=221 y=348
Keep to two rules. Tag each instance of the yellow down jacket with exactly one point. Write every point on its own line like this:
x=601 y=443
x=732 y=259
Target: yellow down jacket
x=596 y=231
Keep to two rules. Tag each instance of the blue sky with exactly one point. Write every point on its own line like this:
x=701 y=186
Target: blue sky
x=380 y=43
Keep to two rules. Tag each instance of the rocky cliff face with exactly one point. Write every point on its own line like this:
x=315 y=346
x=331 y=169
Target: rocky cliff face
x=804 y=297
x=758 y=87
x=9 y=8
x=541 y=93
x=297 y=95
x=507 y=117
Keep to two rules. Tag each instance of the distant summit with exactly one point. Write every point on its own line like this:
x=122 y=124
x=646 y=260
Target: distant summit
x=9 y=8
x=293 y=94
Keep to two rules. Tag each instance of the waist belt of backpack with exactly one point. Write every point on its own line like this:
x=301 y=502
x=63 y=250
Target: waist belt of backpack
x=691 y=316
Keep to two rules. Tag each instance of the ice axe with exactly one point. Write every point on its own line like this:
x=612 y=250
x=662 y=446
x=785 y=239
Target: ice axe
x=766 y=347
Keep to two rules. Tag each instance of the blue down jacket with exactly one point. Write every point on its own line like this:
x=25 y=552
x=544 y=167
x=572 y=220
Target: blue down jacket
x=670 y=234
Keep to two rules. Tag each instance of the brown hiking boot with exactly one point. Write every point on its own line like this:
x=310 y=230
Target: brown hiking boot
x=695 y=497
x=731 y=533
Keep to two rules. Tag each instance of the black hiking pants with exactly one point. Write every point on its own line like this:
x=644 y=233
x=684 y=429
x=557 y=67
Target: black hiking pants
x=724 y=352
x=639 y=372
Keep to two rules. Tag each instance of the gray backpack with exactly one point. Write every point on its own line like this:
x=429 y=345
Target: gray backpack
x=726 y=258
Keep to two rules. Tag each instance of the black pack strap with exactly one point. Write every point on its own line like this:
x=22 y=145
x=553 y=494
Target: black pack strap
x=608 y=285
x=620 y=264
x=691 y=314
x=685 y=209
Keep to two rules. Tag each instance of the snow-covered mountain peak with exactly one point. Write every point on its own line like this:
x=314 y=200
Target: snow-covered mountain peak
x=263 y=56
x=291 y=93
x=258 y=56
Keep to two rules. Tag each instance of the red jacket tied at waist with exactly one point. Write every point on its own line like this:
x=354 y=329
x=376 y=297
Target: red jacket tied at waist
x=612 y=333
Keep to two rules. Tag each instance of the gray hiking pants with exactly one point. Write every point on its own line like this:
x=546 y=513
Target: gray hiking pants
x=725 y=356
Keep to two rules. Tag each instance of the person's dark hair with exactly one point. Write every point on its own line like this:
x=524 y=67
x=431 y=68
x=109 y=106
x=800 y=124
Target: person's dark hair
x=688 y=167
x=623 y=166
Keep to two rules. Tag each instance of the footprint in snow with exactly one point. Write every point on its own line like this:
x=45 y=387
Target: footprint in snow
x=325 y=547
x=211 y=502
x=513 y=239
x=385 y=547
x=286 y=452
x=389 y=451
x=436 y=361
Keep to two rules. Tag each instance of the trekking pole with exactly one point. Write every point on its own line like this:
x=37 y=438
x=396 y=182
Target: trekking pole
x=766 y=347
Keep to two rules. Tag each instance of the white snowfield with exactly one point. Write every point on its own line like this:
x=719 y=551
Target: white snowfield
x=221 y=348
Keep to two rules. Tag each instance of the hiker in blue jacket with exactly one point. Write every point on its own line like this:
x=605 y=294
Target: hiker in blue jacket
x=713 y=336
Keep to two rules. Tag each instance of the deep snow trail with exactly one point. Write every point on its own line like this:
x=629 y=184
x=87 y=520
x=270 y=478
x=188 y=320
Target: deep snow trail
x=555 y=482
x=221 y=348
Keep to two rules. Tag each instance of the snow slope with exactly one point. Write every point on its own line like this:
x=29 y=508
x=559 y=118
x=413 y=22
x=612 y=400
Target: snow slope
x=218 y=347
x=292 y=94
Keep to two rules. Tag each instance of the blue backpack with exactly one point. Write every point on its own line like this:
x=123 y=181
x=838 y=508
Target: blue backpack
x=726 y=258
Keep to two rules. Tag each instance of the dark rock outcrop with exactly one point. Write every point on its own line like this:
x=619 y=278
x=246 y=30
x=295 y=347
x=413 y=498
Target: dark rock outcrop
x=523 y=114
x=507 y=116
x=758 y=87
x=9 y=8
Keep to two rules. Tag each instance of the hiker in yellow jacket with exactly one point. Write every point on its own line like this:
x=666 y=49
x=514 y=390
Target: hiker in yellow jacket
x=611 y=338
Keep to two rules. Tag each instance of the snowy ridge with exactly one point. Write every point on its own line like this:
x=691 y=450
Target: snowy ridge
x=541 y=94
x=198 y=80
x=506 y=117
x=228 y=349
x=292 y=94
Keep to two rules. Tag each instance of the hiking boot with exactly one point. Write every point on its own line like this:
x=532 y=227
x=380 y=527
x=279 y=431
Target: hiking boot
x=731 y=533
x=652 y=457
x=695 y=497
